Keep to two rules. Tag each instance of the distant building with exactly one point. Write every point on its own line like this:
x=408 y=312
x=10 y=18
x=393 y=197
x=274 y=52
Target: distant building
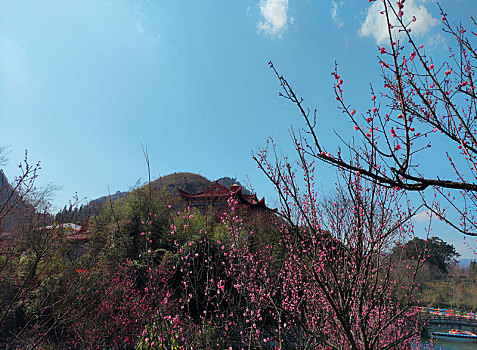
x=72 y=231
x=76 y=236
x=218 y=195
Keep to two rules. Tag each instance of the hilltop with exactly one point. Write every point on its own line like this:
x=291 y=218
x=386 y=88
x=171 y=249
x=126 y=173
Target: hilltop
x=188 y=182
x=167 y=186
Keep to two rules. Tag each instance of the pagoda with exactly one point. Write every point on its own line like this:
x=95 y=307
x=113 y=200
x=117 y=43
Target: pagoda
x=218 y=195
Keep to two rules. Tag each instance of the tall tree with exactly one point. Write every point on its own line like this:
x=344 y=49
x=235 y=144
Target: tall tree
x=434 y=251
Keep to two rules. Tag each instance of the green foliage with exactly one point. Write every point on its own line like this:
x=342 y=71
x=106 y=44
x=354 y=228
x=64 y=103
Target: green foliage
x=157 y=336
x=64 y=295
x=454 y=290
x=442 y=282
x=193 y=225
x=131 y=224
x=434 y=251
x=451 y=293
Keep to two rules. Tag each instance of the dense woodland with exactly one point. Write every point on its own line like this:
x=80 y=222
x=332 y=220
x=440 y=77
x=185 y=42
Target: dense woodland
x=443 y=282
x=148 y=274
x=54 y=283
x=454 y=290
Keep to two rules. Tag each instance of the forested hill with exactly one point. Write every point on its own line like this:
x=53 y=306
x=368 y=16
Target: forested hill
x=190 y=182
x=8 y=199
x=166 y=186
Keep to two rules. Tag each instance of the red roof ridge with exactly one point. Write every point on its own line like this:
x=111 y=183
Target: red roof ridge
x=217 y=191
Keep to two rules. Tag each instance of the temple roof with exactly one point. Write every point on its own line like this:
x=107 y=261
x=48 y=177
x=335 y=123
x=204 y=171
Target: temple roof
x=217 y=192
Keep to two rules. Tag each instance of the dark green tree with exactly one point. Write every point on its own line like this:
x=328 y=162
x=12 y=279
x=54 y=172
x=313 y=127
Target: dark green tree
x=434 y=251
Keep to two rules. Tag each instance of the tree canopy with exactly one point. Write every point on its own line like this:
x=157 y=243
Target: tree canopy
x=434 y=251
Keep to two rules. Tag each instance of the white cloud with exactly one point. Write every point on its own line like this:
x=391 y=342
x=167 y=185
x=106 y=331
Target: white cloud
x=335 y=17
x=422 y=216
x=375 y=23
x=144 y=14
x=275 y=17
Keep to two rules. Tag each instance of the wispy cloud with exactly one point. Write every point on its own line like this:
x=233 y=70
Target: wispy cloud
x=139 y=27
x=335 y=17
x=143 y=12
x=422 y=216
x=375 y=23
x=274 y=13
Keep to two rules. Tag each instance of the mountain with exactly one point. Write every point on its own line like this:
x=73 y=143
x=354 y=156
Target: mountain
x=191 y=183
x=13 y=208
x=188 y=182
x=228 y=181
x=466 y=262
x=167 y=186
x=114 y=196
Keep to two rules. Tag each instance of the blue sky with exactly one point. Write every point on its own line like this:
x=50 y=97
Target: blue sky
x=84 y=82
